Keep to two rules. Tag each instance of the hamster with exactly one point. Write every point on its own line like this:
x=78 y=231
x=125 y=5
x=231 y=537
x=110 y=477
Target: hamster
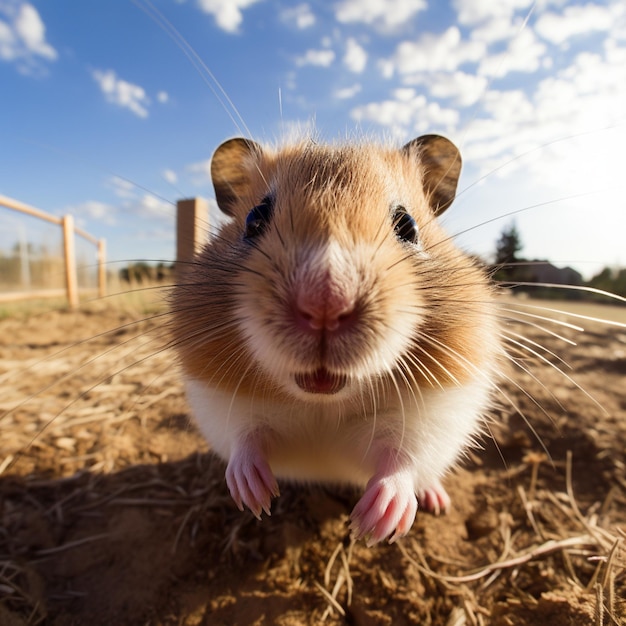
x=331 y=331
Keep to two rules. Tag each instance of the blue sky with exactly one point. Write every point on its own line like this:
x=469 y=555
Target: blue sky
x=105 y=116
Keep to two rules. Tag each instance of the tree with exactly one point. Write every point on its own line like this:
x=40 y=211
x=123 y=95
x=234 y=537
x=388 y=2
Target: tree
x=611 y=280
x=508 y=246
x=507 y=263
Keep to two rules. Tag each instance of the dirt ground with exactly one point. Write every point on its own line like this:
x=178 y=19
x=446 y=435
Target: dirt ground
x=113 y=511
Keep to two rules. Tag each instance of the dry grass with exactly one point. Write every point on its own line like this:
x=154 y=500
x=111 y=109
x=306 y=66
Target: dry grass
x=587 y=550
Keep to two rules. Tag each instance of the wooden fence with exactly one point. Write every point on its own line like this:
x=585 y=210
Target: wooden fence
x=69 y=255
x=192 y=219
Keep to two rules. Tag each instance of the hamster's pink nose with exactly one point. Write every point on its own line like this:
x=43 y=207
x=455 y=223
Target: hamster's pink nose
x=331 y=313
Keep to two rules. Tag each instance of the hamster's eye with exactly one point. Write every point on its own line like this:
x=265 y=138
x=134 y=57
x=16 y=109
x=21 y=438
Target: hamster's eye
x=258 y=218
x=404 y=225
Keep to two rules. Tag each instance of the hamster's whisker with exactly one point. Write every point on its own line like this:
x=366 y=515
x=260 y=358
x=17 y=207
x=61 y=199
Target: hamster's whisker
x=519 y=211
x=407 y=361
x=555 y=367
x=578 y=316
x=380 y=236
x=403 y=370
x=197 y=62
x=464 y=362
x=81 y=342
x=540 y=147
x=540 y=327
x=509 y=334
x=44 y=428
x=516 y=407
x=403 y=259
x=526 y=314
x=394 y=382
x=196 y=338
x=584 y=288
x=202 y=335
x=279 y=235
x=64 y=377
x=374 y=394
x=235 y=353
x=255 y=246
x=521 y=413
x=199 y=339
x=520 y=365
x=423 y=337
x=236 y=389
x=419 y=365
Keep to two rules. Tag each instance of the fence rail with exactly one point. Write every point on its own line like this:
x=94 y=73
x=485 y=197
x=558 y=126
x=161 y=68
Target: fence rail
x=192 y=228
x=69 y=231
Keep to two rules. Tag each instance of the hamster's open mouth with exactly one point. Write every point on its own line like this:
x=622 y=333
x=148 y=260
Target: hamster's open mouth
x=321 y=381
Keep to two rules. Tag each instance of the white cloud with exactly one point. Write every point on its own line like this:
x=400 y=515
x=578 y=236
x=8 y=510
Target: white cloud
x=404 y=94
x=494 y=22
x=510 y=125
x=575 y=20
x=301 y=16
x=122 y=93
x=133 y=200
x=320 y=58
x=553 y=123
x=170 y=176
x=355 y=58
x=348 y=92
x=8 y=43
x=122 y=188
x=163 y=97
x=200 y=172
x=23 y=37
x=463 y=89
x=386 y=14
x=386 y=67
x=512 y=106
x=437 y=52
x=227 y=13
x=95 y=210
x=407 y=113
x=615 y=55
x=499 y=28
x=154 y=234
x=473 y=12
x=525 y=53
x=31 y=30
x=591 y=92
x=150 y=206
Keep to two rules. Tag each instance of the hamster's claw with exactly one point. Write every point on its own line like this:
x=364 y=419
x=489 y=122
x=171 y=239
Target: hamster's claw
x=434 y=499
x=386 y=509
x=251 y=482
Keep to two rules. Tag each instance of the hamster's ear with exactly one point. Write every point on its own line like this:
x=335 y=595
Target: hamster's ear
x=229 y=172
x=441 y=162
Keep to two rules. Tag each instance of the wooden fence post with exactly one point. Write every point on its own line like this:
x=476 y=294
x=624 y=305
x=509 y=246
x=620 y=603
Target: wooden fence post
x=102 y=270
x=192 y=226
x=69 y=254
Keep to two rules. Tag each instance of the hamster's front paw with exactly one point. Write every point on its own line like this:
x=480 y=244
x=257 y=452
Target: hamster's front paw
x=250 y=479
x=387 y=508
x=434 y=499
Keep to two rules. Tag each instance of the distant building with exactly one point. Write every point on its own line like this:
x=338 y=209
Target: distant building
x=545 y=272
